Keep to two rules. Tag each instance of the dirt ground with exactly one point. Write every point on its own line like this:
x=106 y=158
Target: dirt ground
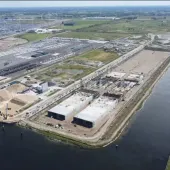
x=16 y=88
x=5 y=95
x=67 y=126
x=10 y=42
x=145 y=62
x=9 y=98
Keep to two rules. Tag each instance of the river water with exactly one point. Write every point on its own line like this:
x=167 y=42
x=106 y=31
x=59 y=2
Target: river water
x=144 y=146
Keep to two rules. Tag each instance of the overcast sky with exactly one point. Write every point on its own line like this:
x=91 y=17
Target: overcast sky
x=80 y=3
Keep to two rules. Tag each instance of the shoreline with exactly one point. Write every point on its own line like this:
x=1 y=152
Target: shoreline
x=136 y=108
x=140 y=104
x=121 y=127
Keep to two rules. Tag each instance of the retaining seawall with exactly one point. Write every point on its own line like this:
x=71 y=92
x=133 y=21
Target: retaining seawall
x=128 y=109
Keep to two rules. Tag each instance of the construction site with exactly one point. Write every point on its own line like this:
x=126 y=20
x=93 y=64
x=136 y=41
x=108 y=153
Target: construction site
x=13 y=100
x=86 y=113
x=77 y=88
x=10 y=42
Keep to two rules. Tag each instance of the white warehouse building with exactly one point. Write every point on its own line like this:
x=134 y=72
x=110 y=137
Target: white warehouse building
x=97 y=113
x=72 y=105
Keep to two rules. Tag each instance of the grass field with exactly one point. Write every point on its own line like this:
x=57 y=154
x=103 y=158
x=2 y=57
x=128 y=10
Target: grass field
x=105 y=30
x=97 y=55
x=93 y=35
x=81 y=24
x=66 y=71
x=85 y=72
x=131 y=27
x=49 y=74
x=34 y=36
x=30 y=21
x=168 y=165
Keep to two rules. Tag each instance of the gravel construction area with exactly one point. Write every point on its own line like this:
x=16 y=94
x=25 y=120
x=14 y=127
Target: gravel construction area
x=15 y=88
x=5 y=95
x=14 y=100
x=143 y=62
x=11 y=42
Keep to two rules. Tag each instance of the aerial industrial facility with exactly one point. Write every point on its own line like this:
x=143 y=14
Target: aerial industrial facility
x=71 y=106
x=93 y=76
x=79 y=88
x=96 y=113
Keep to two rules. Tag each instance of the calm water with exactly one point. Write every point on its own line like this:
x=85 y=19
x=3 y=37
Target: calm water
x=145 y=145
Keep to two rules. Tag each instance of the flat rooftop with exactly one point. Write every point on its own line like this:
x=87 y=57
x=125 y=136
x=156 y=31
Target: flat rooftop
x=72 y=103
x=116 y=75
x=134 y=76
x=99 y=108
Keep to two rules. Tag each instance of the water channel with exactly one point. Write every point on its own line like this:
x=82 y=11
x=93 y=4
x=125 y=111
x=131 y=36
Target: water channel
x=144 y=146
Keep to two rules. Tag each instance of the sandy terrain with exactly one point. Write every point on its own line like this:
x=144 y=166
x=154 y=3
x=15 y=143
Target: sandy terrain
x=145 y=61
x=15 y=101
x=26 y=98
x=15 y=88
x=5 y=95
x=10 y=42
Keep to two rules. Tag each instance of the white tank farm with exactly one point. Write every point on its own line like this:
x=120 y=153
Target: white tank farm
x=97 y=113
x=71 y=106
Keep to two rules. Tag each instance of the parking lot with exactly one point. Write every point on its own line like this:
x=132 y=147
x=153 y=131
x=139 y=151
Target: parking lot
x=40 y=53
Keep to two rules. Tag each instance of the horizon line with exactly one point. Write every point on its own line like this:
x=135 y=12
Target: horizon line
x=88 y=6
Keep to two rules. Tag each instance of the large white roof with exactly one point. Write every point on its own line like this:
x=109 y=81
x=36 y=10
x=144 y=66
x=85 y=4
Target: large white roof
x=97 y=109
x=133 y=76
x=70 y=104
x=116 y=75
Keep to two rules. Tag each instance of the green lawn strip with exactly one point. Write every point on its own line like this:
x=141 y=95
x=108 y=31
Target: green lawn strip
x=68 y=140
x=168 y=165
x=86 y=70
x=34 y=36
x=93 y=35
x=97 y=55
x=47 y=75
x=79 y=23
x=131 y=27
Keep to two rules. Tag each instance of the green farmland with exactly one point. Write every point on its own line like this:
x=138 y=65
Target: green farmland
x=93 y=35
x=131 y=27
x=98 y=55
x=33 y=36
x=81 y=24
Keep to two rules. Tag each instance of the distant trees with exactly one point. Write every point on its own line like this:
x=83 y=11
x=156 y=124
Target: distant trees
x=130 y=17
x=31 y=31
